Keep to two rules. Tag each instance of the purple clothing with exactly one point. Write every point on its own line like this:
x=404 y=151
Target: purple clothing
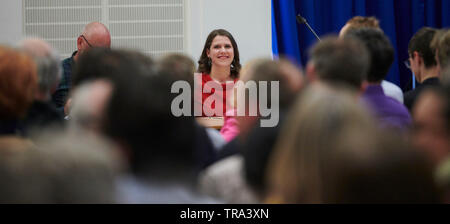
x=387 y=110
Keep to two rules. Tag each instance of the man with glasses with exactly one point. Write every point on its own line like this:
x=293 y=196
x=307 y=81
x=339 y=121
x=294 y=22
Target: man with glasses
x=95 y=34
x=422 y=63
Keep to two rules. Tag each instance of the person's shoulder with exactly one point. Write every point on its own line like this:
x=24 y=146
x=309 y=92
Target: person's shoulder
x=14 y=142
x=226 y=165
x=392 y=90
x=66 y=61
x=69 y=60
x=397 y=106
x=223 y=172
x=409 y=98
x=410 y=94
x=389 y=85
x=206 y=77
x=431 y=82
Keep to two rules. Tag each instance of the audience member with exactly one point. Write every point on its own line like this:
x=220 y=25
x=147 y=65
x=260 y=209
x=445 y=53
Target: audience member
x=336 y=61
x=423 y=64
x=88 y=108
x=441 y=45
x=330 y=151
x=358 y=22
x=233 y=124
x=388 y=111
x=42 y=113
x=160 y=146
x=208 y=140
x=432 y=132
x=94 y=34
x=443 y=179
x=58 y=169
x=18 y=85
x=239 y=177
x=124 y=144
x=178 y=64
x=432 y=123
x=111 y=64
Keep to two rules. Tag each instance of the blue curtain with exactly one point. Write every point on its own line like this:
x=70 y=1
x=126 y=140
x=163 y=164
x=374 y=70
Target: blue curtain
x=399 y=19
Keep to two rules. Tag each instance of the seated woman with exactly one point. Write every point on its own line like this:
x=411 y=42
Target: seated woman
x=219 y=66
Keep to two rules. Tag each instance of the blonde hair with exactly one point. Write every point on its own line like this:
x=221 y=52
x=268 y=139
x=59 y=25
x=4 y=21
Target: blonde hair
x=441 y=45
x=359 y=22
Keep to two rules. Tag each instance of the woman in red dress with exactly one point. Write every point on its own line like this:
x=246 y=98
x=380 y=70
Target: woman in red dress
x=219 y=65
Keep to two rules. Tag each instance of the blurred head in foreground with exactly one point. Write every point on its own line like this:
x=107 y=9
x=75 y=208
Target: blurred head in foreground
x=18 y=83
x=432 y=123
x=335 y=61
x=331 y=152
x=47 y=65
x=57 y=169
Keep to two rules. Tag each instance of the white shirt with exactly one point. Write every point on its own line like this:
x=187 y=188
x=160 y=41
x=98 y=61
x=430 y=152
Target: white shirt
x=392 y=90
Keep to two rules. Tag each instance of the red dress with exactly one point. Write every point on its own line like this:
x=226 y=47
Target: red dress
x=225 y=90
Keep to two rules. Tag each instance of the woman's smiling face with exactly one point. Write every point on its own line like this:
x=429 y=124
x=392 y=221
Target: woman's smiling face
x=221 y=51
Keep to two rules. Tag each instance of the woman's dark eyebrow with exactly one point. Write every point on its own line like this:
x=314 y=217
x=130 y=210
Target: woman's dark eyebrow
x=226 y=45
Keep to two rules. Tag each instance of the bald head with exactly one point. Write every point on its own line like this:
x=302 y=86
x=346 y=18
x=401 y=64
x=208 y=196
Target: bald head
x=97 y=34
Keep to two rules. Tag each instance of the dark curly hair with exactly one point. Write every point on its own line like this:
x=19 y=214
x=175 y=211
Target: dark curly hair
x=380 y=50
x=205 y=67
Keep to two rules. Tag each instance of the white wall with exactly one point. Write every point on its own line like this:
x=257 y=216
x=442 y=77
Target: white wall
x=249 y=21
x=10 y=21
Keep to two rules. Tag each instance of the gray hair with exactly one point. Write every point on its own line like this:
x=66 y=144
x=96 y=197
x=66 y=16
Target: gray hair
x=89 y=102
x=49 y=72
x=48 y=63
